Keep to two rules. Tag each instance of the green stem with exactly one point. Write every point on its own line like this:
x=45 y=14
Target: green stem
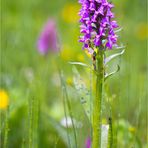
x=33 y=122
x=110 y=134
x=6 y=131
x=30 y=100
x=98 y=99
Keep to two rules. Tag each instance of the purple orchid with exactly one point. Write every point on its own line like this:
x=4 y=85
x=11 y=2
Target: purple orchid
x=48 y=40
x=88 y=143
x=97 y=24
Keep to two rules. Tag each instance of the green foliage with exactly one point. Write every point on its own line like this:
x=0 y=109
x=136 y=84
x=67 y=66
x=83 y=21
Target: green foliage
x=33 y=84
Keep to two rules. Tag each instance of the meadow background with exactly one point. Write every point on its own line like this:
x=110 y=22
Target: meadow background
x=32 y=83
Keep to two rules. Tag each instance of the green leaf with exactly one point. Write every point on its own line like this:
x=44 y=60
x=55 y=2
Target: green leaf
x=83 y=92
x=120 y=29
x=108 y=59
x=120 y=47
x=80 y=63
x=112 y=73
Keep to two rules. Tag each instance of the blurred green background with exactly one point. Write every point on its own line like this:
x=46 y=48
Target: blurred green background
x=33 y=85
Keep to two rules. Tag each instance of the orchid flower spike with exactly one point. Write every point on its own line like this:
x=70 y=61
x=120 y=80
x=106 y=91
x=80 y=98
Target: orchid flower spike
x=97 y=24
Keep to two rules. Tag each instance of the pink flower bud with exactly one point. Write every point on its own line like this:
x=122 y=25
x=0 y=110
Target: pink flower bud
x=48 y=40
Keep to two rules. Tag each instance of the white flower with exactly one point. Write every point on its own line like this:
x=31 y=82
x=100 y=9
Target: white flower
x=67 y=122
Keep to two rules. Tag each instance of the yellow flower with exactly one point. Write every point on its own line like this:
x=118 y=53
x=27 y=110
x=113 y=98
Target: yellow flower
x=4 y=99
x=70 y=13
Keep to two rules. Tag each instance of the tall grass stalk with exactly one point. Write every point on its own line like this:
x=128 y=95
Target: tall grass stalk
x=68 y=104
x=30 y=122
x=65 y=114
x=33 y=122
x=97 y=107
x=36 y=121
x=6 y=130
